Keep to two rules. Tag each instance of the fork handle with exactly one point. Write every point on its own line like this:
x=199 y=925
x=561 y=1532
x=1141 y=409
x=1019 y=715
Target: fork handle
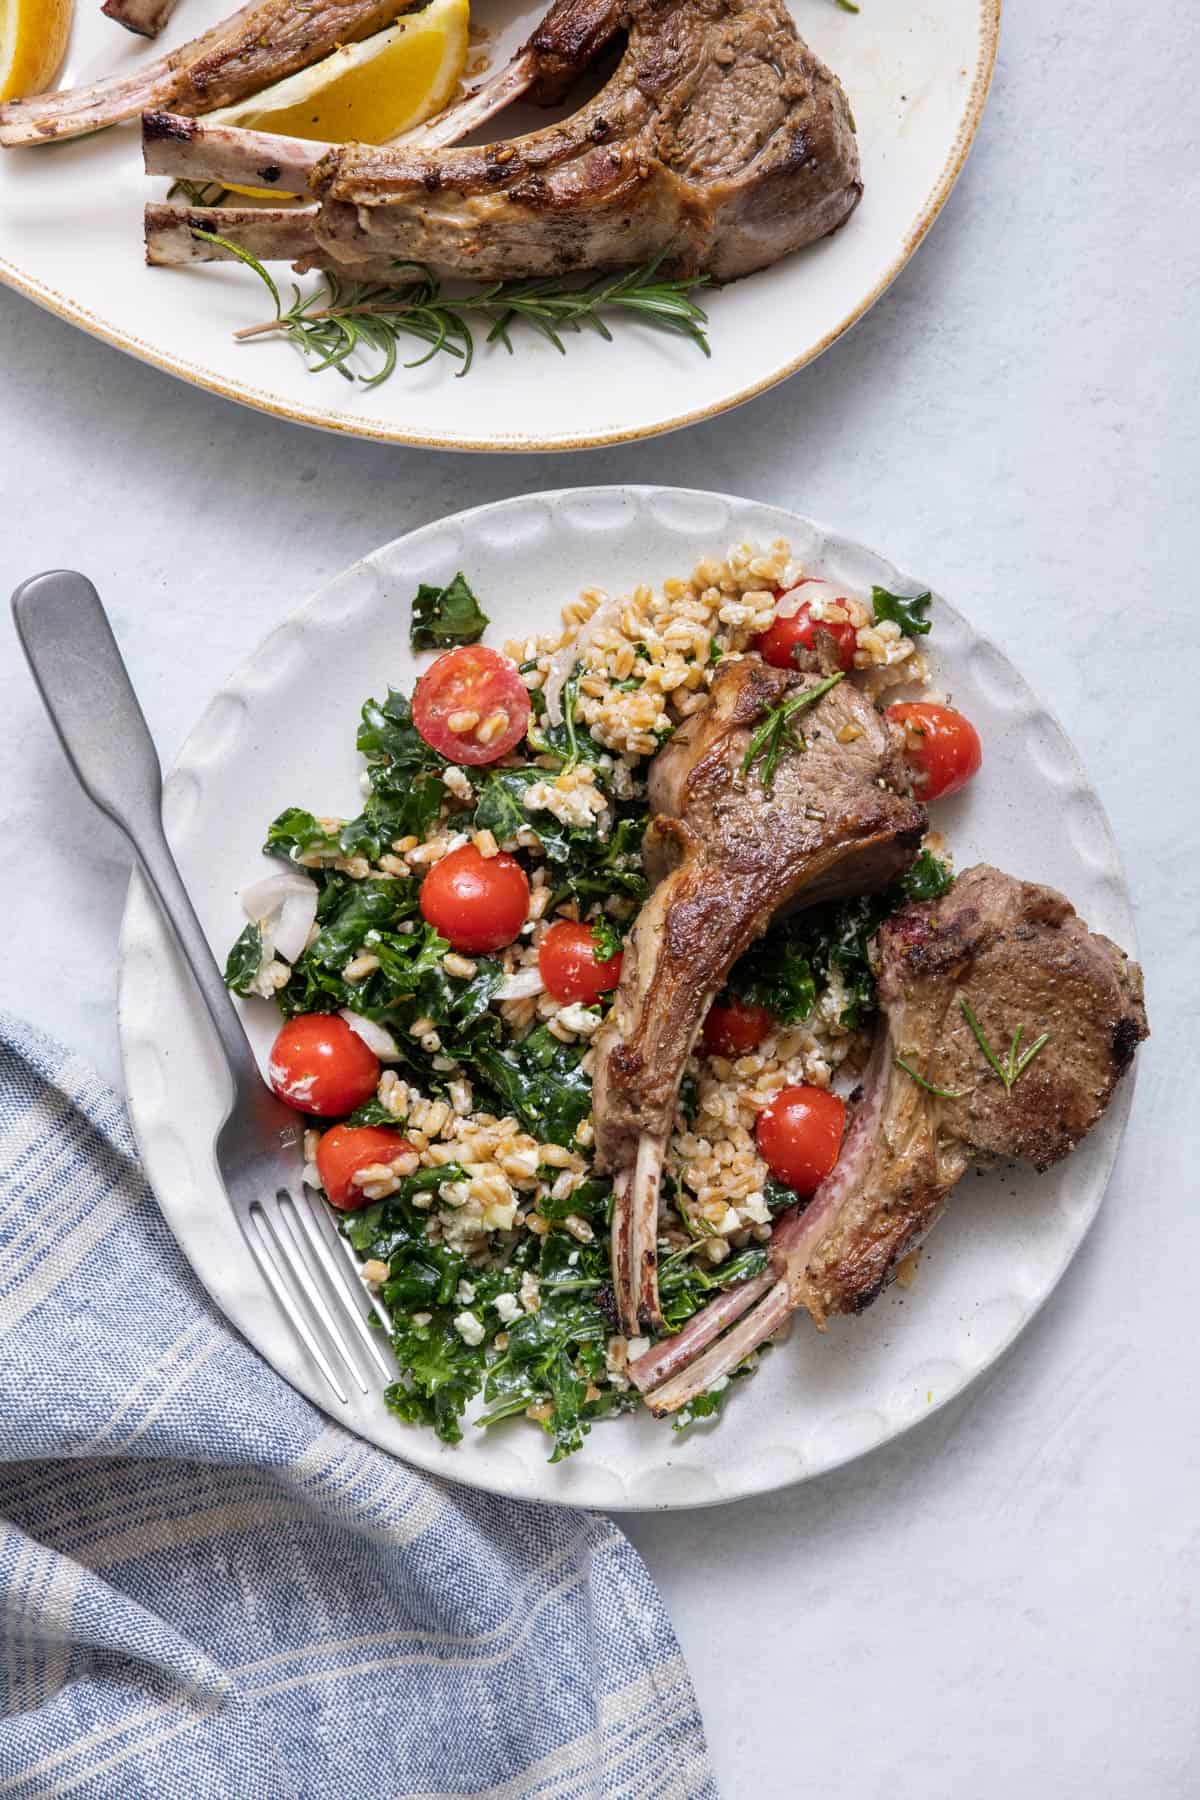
x=85 y=686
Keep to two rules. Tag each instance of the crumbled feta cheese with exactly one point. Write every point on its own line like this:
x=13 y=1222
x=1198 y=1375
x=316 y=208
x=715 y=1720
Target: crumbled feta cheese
x=469 y=1328
x=464 y=1293
x=579 y=1019
x=508 y=1306
x=728 y=1221
x=421 y=1318
x=754 y=1210
x=528 y=1293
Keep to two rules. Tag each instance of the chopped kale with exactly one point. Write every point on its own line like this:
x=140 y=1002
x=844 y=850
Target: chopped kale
x=606 y=939
x=242 y=963
x=928 y=878
x=446 y=615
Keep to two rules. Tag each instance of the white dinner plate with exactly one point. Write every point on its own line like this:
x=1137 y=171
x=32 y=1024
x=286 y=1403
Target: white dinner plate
x=71 y=237
x=818 y=1399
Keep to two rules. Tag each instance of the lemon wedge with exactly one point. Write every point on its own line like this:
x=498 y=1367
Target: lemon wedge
x=33 y=42
x=365 y=93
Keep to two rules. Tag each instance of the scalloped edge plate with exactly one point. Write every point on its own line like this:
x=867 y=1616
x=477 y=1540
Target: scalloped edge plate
x=818 y=1400
x=71 y=239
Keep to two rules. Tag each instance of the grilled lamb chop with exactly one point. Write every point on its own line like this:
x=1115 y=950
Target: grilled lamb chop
x=1023 y=961
x=257 y=46
x=835 y=820
x=720 y=137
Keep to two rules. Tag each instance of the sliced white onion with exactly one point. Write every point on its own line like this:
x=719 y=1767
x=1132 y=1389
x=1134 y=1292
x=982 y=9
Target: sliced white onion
x=564 y=660
x=285 y=906
x=373 y=1035
x=521 y=986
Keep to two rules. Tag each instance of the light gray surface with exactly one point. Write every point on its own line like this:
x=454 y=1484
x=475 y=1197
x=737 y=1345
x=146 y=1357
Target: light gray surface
x=1003 y=1602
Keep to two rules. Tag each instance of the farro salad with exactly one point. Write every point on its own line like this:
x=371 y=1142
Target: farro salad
x=443 y=961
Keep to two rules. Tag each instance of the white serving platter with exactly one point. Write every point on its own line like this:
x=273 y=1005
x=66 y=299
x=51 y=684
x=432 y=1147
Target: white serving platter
x=71 y=238
x=281 y=731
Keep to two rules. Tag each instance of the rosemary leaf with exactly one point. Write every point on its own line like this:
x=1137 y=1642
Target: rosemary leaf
x=775 y=735
x=341 y=321
x=1014 y=1066
x=941 y=1092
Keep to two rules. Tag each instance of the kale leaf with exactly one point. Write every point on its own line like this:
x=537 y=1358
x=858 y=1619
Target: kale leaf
x=446 y=615
x=243 y=961
x=907 y=610
x=777 y=973
x=928 y=878
x=541 y=1080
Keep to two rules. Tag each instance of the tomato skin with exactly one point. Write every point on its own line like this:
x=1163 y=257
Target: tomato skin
x=799 y=1136
x=476 y=684
x=345 y=1149
x=477 y=902
x=942 y=747
x=570 y=966
x=733 y=1027
x=318 y=1065
x=776 y=644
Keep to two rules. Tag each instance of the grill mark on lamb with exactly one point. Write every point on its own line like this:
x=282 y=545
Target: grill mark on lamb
x=727 y=856
x=1020 y=955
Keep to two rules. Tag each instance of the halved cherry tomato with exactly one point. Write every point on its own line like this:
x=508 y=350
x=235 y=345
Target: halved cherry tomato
x=318 y=1065
x=570 y=965
x=734 y=1026
x=942 y=746
x=800 y=1136
x=471 y=705
x=478 y=902
x=777 y=643
x=345 y=1149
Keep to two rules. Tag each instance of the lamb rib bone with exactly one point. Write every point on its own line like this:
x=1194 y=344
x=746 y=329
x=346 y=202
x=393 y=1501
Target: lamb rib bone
x=731 y=854
x=720 y=137
x=1019 y=956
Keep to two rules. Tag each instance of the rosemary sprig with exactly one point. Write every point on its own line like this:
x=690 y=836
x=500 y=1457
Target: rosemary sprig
x=1016 y=1061
x=941 y=1092
x=339 y=318
x=197 y=193
x=775 y=734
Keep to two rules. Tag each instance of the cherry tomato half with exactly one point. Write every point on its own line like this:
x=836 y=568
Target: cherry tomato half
x=570 y=965
x=797 y=631
x=318 y=1065
x=478 y=902
x=942 y=746
x=471 y=705
x=345 y=1149
x=800 y=1136
x=733 y=1027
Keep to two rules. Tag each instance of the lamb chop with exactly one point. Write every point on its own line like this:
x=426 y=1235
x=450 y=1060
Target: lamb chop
x=720 y=137
x=996 y=961
x=145 y=17
x=834 y=819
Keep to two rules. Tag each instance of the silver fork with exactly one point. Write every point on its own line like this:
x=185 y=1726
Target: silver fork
x=309 y=1267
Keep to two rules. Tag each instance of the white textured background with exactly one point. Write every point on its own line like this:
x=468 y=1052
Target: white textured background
x=1004 y=1602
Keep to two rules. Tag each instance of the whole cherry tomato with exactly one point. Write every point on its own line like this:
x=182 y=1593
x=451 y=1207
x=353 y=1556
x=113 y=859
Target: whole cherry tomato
x=346 y=1149
x=571 y=966
x=471 y=705
x=799 y=1136
x=318 y=1065
x=477 y=902
x=733 y=1027
x=942 y=746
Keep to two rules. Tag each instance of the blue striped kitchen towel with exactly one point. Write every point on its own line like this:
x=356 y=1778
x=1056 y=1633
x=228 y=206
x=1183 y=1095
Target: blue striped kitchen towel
x=208 y=1590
